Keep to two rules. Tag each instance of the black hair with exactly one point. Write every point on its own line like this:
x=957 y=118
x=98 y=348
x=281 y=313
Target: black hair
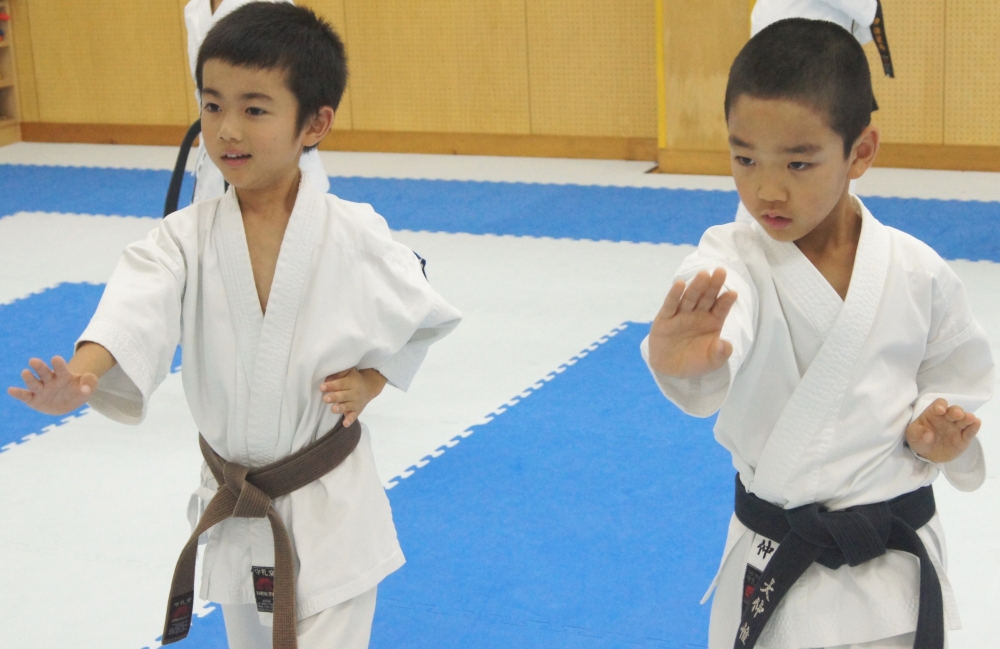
x=269 y=35
x=815 y=62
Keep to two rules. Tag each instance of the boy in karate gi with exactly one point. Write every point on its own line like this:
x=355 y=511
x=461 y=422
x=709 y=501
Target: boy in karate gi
x=199 y=17
x=269 y=288
x=843 y=360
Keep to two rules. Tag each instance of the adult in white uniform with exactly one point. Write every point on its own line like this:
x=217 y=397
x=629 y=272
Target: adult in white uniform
x=199 y=17
x=841 y=354
x=856 y=16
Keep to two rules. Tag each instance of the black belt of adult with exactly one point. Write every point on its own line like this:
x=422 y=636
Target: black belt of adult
x=810 y=534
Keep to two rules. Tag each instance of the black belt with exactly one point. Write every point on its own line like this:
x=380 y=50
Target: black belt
x=851 y=536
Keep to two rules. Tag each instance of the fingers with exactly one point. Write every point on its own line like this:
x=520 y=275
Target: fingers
x=22 y=395
x=955 y=414
x=694 y=291
x=41 y=369
x=711 y=294
x=338 y=396
x=724 y=304
x=971 y=430
x=349 y=418
x=31 y=380
x=673 y=299
x=333 y=378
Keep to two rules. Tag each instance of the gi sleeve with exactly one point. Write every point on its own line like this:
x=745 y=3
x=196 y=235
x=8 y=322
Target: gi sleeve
x=702 y=396
x=957 y=366
x=139 y=322
x=409 y=310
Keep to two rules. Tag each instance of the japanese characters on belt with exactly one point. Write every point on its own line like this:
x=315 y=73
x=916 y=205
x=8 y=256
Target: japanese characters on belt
x=344 y=295
x=813 y=403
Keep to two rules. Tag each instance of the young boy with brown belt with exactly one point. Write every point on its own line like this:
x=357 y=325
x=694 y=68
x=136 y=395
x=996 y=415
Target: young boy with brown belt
x=269 y=289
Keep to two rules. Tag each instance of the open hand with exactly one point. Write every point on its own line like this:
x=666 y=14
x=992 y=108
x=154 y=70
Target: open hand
x=56 y=390
x=684 y=340
x=351 y=390
x=940 y=434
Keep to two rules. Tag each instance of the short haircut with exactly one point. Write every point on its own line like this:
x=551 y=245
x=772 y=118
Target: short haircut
x=815 y=62
x=269 y=35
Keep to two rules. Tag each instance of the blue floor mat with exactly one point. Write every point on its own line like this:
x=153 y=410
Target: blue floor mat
x=42 y=325
x=582 y=518
x=956 y=229
x=590 y=515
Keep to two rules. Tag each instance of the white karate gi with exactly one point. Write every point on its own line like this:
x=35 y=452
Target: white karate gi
x=856 y=16
x=344 y=295
x=209 y=182
x=814 y=403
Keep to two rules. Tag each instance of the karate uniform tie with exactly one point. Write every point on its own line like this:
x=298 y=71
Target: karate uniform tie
x=250 y=493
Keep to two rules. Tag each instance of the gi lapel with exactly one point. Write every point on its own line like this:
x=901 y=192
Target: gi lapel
x=265 y=437
x=812 y=410
x=244 y=310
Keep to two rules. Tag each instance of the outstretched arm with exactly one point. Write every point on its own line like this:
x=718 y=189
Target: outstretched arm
x=684 y=340
x=64 y=387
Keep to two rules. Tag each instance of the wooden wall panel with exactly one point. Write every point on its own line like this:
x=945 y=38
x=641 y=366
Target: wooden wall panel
x=445 y=66
x=24 y=60
x=333 y=11
x=972 y=72
x=700 y=43
x=111 y=62
x=592 y=67
x=911 y=106
x=194 y=111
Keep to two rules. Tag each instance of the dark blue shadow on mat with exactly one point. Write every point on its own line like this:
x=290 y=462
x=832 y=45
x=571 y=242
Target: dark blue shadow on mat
x=590 y=515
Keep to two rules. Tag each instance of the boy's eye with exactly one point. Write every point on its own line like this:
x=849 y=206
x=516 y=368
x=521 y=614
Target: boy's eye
x=798 y=166
x=211 y=108
x=256 y=112
x=746 y=162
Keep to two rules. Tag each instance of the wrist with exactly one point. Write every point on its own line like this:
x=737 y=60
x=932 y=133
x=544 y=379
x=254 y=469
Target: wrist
x=91 y=358
x=373 y=380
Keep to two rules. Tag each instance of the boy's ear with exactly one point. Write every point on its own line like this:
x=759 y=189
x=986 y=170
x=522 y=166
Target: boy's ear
x=318 y=126
x=864 y=151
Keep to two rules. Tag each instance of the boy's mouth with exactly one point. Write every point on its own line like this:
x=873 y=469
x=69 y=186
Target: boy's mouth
x=235 y=159
x=775 y=221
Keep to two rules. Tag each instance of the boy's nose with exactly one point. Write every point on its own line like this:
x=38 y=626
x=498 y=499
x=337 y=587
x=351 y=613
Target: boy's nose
x=228 y=130
x=772 y=192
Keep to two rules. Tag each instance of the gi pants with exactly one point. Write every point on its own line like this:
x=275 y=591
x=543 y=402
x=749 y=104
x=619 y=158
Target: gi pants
x=347 y=625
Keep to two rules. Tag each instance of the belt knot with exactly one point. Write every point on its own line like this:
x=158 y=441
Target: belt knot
x=251 y=502
x=852 y=536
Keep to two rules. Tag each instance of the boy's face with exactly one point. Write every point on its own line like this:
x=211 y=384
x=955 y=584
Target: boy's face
x=789 y=165
x=248 y=121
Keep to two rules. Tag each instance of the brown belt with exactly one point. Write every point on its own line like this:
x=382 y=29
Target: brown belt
x=249 y=493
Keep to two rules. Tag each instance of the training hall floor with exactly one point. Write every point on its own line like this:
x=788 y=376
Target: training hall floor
x=545 y=494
